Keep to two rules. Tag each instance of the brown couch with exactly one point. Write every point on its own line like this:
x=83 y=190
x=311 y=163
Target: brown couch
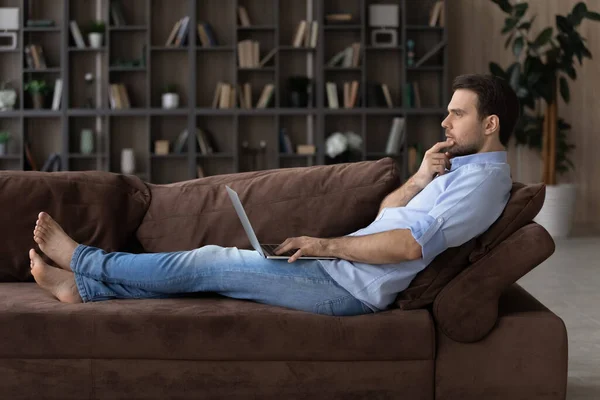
x=462 y=330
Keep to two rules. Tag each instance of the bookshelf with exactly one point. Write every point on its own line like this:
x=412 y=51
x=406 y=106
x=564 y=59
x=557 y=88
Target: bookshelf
x=136 y=55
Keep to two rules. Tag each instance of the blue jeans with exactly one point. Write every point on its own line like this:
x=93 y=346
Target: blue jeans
x=229 y=271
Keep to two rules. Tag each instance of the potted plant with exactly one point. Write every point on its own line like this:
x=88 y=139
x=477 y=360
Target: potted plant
x=543 y=64
x=4 y=138
x=96 y=34
x=38 y=90
x=8 y=96
x=170 y=98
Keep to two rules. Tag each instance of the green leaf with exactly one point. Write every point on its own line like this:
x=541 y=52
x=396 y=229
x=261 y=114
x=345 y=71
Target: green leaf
x=520 y=9
x=579 y=11
x=518 y=46
x=543 y=37
x=509 y=24
x=504 y=5
x=564 y=89
x=497 y=70
x=594 y=16
x=568 y=68
x=563 y=24
x=515 y=74
x=512 y=34
x=586 y=52
x=525 y=26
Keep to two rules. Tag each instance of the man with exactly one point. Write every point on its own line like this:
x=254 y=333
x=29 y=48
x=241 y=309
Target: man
x=461 y=188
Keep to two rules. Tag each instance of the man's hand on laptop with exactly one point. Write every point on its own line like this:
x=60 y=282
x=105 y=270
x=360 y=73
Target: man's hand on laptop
x=306 y=245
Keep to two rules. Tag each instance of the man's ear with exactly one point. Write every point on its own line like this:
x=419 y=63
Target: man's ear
x=492 y=124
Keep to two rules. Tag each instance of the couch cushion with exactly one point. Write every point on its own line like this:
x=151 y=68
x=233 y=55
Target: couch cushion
x=96 y=208
x=524 y=204
x=33 y=324
x=319 y=201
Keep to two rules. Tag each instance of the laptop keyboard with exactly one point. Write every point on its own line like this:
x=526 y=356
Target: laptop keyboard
x=271 y=249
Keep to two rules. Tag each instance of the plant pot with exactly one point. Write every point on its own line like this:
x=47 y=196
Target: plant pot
x=556 y=215
x=38 y=100
x=2 y=149
x=95 y=40
x=8 y=99
x=170 y=100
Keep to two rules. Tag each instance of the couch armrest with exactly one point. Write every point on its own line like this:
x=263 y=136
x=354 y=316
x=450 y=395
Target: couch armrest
x=467 y=308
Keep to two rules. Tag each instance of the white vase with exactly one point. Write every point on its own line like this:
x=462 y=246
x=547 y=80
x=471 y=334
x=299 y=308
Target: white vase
x=95 y=40
x=170 y=100
x=8 y=97
x=556 y=215
x=127 y=161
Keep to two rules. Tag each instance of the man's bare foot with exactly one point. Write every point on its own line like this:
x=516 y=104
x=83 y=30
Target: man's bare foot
x=53 y=241
x=58 y=282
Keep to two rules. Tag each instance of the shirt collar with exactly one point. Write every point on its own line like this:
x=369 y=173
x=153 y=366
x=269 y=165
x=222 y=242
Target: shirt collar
x=491 y=157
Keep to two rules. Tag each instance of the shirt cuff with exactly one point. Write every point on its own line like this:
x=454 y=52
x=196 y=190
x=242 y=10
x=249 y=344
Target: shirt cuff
x=428 y=233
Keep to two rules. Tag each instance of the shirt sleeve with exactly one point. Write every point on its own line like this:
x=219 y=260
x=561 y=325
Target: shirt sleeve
x=466 y=209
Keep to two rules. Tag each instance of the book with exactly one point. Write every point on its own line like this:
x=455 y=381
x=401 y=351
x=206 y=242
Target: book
x=387 y=95
x=243 y=15
x=299 y=35
x=396 y=136
x=267 y=58
x=338 y=17
x=436 y=12
x=173 y=33
x=116 y=13
x=76 y=33
x=182 y=33
x=265 y=96
x=332 y=95
x=58 y=86
x=430 y=53
x=217 y=96
x=314 y=34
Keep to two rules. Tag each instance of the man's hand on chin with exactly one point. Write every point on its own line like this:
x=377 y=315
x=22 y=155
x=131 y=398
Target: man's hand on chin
x=306 y=245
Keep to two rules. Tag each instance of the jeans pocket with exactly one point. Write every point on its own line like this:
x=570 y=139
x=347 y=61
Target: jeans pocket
x=341 y=306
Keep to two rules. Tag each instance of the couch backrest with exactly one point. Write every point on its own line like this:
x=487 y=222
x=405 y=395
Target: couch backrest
x=524 y=204
x=96 y=208
x=319 y=201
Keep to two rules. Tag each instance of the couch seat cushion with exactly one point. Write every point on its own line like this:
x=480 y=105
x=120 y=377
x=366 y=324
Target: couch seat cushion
x=33 y=324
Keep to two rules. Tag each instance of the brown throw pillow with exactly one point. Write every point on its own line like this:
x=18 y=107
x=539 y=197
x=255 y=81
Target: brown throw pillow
x=524 y=204
x=319 y=201
x=96 y=208
x=467 y=308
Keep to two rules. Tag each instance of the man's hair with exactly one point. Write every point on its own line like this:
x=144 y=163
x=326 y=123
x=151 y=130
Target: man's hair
x=495 y=97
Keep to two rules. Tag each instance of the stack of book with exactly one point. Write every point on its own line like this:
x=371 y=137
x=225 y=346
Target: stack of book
x=245 y=97
x=225 y=95
x=249 y=54
x=206 y=35
x=178 y=35
x=350 y=94
x=347 y=58
x=34 y=56
x=118 y=97
x=306 y=34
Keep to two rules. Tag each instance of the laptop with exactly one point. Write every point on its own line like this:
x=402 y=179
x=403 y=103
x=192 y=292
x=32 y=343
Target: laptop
x=265 y=250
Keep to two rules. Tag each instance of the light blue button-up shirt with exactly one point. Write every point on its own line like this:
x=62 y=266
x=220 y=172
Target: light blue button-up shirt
x=451 y=210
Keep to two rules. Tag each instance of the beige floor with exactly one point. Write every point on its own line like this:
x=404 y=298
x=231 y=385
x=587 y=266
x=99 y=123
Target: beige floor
x=568 y=283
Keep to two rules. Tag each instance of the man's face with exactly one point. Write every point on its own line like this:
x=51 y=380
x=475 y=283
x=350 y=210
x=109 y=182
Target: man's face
x=463 y=125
